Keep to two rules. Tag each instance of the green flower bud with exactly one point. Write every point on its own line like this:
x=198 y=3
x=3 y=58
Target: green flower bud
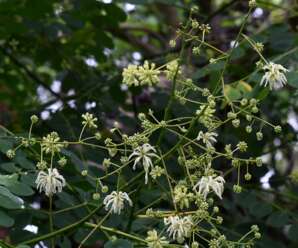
x=244 y=101
x=96 y=196
x=97 y=135
x=248 y=129
x=236 y=123
x=232 y=115
x=242 y=146
x=195 y=244
x=84 y=173
x=34 y=119
x=247 y=176
x=259 y=162
x=237 y=189
x=258 y=235
x=259 y=136
x=277 y=129
x=104 y=189
x=10 y=153
x=255 y=109
x=248 y=117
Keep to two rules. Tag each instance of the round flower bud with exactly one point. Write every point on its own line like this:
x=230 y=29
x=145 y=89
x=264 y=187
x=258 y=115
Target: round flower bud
x=219 y=220
x=84 y=173
x=205 y=92
x=236 y=123
x=242 y=146
x=255 y=109
x=195 y=244
x=104 y=189
x=258 y=235
x=244 y=101
x=247 y=176
x=237 y=189
x=253 y=101
x=277 y=129
x=248 y=129
x=194 y=24
x=172 y=43
x=215 y=209
x=248 y=117
x=235 y=163
x=106 y=163
x=252 y=3
x=96 y=196
x=259 y=136
x=97 y=135
x=232 y=115
x=254 y=228
x=259 y=162
x=62 y=161
x=196 y=50
x=34 y=119
x=10 y=153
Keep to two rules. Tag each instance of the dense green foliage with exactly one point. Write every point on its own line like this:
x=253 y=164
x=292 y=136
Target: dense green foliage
x=60 y=59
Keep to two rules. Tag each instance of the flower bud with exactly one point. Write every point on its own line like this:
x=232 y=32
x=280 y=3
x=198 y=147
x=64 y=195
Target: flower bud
x=34 y=119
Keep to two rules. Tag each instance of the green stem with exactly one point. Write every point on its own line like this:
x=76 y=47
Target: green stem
x=62 y=230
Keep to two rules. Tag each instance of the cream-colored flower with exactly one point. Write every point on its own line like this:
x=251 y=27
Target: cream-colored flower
x=208 y=183
x=156 y=172
x=51 y=143
x=182 y=196
x=130 y=75
x=208 y=138
x=89 y=120
x=50 y=182
x=144 y=154
x=173 y=70
x=116 y=201
x=154 y=241
x=274 y=76
x=179 y=227
x=148 y=74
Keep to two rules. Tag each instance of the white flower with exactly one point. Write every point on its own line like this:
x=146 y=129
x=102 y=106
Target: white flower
x=208 y=183
x=154 y=241
x=179 y=227
x=144 y=153
x=274 y=76
x=51 y=182
x=208 y=138
x=115 y=201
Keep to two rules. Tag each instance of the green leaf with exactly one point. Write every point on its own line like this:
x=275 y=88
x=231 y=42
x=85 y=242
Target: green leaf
x=12 y=183
x=5 y=220
x=232 y=93
x=292 y=78
x=293 y=233
x=119 y=243
x=278 y=219
x=9 y=200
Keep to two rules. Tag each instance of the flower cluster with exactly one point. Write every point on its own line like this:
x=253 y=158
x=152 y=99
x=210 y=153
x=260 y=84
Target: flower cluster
x=141 y=75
